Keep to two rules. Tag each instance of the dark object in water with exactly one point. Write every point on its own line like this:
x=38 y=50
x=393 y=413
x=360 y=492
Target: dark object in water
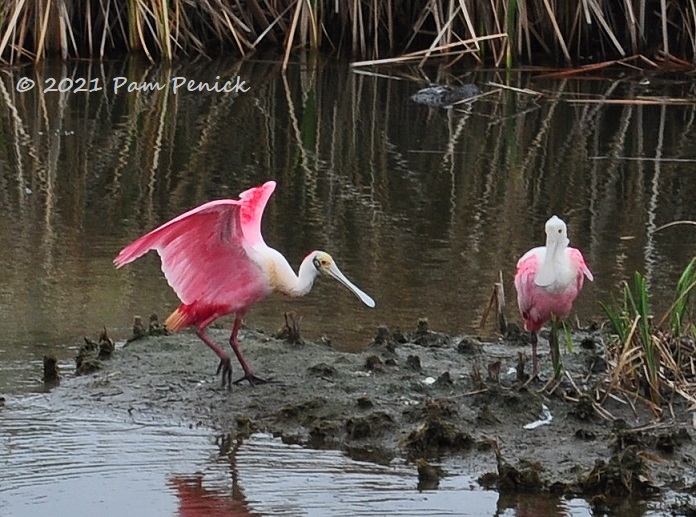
x=51 y=372
x=438 y=96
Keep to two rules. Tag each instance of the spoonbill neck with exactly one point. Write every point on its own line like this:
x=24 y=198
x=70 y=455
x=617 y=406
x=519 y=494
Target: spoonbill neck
x=301 y=284
x=551 y=264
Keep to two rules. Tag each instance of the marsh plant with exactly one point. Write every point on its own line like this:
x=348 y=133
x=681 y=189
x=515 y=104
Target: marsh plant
x=651 y=358
x=499 y=32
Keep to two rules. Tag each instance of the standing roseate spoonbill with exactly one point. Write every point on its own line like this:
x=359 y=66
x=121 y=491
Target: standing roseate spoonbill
x=548 y=280
x=215 y=259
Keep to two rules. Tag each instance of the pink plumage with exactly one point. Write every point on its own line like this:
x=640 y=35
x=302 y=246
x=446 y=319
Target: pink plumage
x=538 y=304
x=215 y=259
x=548 y=280
x=216 y=238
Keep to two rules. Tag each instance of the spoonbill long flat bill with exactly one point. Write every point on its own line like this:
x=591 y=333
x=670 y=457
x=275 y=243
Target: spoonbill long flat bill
x=548 y=280
x=215 y=259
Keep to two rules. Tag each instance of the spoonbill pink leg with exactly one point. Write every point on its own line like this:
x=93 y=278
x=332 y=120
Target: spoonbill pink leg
x=234 y=343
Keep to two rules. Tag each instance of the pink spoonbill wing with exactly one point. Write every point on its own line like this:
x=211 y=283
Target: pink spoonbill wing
x=207 y=252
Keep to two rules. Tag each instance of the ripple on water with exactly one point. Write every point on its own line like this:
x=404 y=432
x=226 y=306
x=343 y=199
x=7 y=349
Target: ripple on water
x=81 y=464
x=58 y=462
x=286 y=480
x=280 y=479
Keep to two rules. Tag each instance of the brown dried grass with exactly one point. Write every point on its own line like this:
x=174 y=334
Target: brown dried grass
x=498 y=32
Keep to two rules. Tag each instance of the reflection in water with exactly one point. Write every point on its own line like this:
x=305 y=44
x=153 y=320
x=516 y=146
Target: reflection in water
x=424 y=207
x=288 y=480
x=63 y=460
x=272 y=478
x=60 y=460
x=276 y=479
x=195 y=500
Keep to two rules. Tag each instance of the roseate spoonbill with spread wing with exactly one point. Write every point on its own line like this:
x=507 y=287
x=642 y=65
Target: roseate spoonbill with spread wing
x=215 y=259
x=548 y=280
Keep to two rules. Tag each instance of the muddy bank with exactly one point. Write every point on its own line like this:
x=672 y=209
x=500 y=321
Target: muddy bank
x=440 y=401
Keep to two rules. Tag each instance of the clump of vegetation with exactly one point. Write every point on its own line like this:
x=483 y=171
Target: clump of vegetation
x=650 y=359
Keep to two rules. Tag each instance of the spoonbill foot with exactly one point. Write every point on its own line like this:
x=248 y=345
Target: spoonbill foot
x=253 y=380
x=225 y=366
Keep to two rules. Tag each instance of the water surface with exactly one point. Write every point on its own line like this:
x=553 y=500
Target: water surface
x=422 y=208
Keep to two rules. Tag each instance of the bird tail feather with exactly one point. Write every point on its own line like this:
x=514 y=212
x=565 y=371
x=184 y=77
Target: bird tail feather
x=178 y=319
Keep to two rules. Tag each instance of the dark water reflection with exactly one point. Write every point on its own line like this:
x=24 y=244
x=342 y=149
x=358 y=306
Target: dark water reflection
x=422 y=208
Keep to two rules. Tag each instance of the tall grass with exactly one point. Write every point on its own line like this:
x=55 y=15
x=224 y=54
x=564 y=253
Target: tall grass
x=498 y=32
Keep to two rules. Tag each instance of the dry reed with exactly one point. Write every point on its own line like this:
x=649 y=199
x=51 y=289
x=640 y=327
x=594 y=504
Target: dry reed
x=498 y=32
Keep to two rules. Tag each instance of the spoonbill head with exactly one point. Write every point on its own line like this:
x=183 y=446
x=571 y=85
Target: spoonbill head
x=324 y=264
